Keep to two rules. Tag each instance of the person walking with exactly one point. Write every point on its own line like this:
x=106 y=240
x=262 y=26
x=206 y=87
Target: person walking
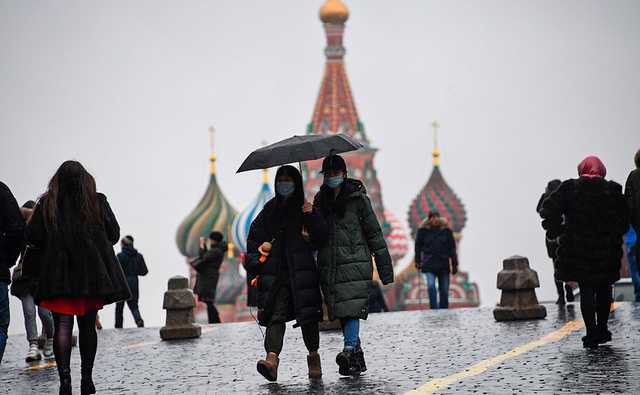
x=280 y=254
x=21 y=287
x=436 y=258
x=588 y=216
x=72 y=233
x=345 y=257
x=11 y=240
x=133 y=265
x=207 y=267
x=552 y=247
x=632 y=194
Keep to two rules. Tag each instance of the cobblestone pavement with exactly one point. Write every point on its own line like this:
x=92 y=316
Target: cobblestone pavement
x=404 y=351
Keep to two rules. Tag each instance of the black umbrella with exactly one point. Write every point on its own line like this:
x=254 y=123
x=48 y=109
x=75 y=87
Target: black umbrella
x=299 y=149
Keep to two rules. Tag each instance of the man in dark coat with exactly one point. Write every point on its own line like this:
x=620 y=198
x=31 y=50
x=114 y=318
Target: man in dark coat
x=208 y=272
x=345 y=261
x=11 y=239
x=436 y=258
x=552 y=247
x=632 y=195
x=588 y=216
x=280 y=256
x=133 y=265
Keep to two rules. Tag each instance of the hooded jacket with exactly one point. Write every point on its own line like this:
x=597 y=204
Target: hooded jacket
x=133 y=265
x=345 y=255
x=632 y=194
x=11 y=232
x=434 y=247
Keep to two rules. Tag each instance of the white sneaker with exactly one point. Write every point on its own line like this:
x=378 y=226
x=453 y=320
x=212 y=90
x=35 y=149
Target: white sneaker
x=47 y=351
x=34 y=354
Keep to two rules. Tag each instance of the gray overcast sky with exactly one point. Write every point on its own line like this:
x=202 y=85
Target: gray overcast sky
x=523 y=90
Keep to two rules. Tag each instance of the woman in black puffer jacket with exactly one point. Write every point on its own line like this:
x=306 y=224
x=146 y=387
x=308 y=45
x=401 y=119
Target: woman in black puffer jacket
x=588 y=216
x=287 y=281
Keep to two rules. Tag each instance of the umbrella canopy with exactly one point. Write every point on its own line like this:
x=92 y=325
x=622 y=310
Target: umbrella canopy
x=299 y=149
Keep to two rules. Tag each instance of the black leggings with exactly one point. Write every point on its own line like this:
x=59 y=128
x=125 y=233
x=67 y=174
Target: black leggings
x=275 y=336
x=87 y=339
x=595 y=302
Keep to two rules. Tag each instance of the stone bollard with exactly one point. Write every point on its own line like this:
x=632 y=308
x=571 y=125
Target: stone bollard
x=518 y=283
x=179 y=303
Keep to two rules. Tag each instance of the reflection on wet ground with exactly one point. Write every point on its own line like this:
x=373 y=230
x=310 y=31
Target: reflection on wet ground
x=404 y=351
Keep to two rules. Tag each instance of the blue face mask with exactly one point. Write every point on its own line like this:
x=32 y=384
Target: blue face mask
x=285 y=188
x=333 y=182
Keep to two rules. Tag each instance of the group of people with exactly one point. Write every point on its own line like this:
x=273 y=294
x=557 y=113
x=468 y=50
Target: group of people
x=296 y=248
x=67 y=268
x=585 y=220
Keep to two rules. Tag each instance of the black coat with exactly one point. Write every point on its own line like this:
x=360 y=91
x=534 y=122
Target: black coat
x=632 y=194
x=208 y=269
x=88 y=268
x=11 y=232
x=434 y=247
x=291 y=256
x=133 y=265
x=552 y=245
x=589 y=217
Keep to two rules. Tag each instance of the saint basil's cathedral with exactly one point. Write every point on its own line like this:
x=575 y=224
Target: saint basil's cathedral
x=334 y=112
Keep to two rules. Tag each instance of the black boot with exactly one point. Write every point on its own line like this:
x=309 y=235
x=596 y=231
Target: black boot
x=65 y=381
x=359 y=354
x=140 y=323
x=347 y=363
x=86 y=382
x=569 y=292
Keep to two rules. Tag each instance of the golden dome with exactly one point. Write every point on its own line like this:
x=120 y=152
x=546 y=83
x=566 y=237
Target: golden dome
x=334 y=11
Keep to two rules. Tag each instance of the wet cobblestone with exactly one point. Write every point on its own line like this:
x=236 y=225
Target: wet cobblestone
x=403 y=350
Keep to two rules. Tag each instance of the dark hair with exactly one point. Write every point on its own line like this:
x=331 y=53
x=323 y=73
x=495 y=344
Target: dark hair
x=128 y=238
x=71 y=199
x=637 y=159
x=30 y=204
x=216 y=236
x=297 y=198
x=434 y=214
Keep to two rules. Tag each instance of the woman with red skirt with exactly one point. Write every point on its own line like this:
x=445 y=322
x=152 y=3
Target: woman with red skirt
x=70 y=251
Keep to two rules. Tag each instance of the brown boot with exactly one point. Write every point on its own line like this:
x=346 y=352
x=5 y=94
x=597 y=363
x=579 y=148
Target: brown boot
x=269 y=367
x=315 y=369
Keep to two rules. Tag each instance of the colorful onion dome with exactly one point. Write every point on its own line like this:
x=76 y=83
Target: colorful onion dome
x=242 y=223
x=230 y=283
x=213 y=212
x=334 y=11
x=437 y=195
x=397 y=240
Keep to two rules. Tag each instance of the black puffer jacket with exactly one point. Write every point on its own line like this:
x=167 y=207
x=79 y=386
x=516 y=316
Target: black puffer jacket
x=291 y=256
x=434 y=247
x=133 y=265
x=11 y=232
x=589 y=217
x=208 y=269
x=88 y=268
x=632 y=193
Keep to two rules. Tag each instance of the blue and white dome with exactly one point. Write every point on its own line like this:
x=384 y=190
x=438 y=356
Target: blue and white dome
x=242 y=223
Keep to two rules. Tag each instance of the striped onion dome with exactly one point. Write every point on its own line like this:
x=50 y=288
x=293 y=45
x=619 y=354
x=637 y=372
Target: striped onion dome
x=437 y=195
x=242 y=223
x=397 y=240
x=213 y=212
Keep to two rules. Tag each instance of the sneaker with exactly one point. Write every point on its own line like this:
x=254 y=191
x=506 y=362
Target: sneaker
x=47 y=350
x=34 y=354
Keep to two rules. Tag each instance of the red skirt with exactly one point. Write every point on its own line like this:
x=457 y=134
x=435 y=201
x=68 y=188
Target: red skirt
x=72 y=306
